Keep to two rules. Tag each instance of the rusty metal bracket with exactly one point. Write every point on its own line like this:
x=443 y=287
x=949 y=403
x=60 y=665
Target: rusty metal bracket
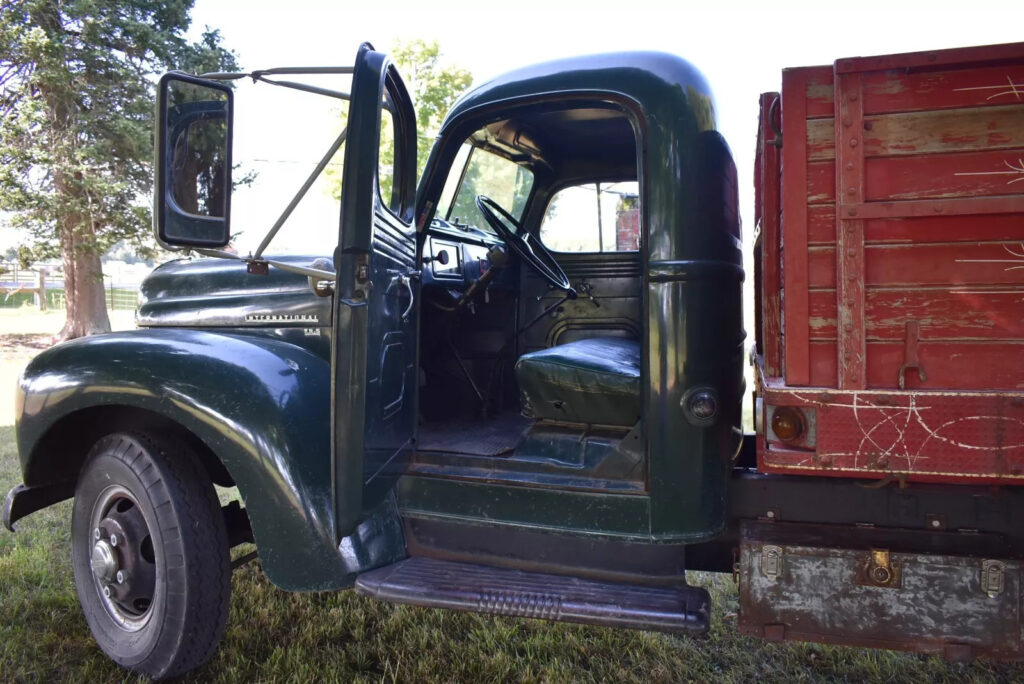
x=257 y=266
x=910 y=357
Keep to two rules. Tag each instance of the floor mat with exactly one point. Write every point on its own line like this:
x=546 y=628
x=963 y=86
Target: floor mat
x=490 y=437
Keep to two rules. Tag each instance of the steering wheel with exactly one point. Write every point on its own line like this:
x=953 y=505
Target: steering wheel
x=529 y=248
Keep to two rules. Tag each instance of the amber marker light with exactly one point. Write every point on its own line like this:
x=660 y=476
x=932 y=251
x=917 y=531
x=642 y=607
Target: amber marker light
x=787 y=423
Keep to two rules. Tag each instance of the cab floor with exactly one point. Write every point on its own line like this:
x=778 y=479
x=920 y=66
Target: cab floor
x=483 y=437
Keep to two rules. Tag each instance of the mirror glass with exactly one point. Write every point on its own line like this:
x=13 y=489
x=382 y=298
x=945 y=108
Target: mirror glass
x=194 y=191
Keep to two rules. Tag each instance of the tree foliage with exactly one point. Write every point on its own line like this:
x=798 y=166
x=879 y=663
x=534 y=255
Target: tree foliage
x=76 y=111
x=434 y=87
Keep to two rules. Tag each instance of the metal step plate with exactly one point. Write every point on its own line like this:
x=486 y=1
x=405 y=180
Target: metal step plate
x=483 y=589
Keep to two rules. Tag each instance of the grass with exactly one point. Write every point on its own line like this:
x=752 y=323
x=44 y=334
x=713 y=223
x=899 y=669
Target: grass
x=340 y=637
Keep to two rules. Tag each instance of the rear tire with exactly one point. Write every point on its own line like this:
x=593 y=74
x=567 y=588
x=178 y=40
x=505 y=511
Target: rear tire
x=150 y=554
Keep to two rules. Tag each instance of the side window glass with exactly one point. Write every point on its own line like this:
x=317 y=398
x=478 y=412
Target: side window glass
x=593 y=217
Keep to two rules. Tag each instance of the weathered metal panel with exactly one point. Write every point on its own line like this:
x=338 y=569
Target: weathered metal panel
x=955 y=606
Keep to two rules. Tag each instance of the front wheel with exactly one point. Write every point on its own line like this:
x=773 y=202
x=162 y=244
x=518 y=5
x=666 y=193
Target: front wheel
x=150 y=554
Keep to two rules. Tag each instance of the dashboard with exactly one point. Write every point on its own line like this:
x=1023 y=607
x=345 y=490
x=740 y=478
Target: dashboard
x=458 y=257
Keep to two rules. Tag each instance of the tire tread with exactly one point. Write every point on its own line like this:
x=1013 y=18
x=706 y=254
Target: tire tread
x=179 y=490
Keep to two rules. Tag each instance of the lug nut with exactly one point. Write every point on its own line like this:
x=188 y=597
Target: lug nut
x=113 y=540
x=106 y=591
x=120 y=577
x=96 y=534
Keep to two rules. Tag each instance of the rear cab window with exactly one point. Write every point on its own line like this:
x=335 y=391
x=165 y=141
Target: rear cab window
x=593 y=217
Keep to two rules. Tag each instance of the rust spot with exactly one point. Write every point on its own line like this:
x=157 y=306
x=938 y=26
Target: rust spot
x=775 y=632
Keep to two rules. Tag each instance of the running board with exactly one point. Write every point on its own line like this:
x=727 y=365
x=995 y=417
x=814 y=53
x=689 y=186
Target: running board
x=482 y=589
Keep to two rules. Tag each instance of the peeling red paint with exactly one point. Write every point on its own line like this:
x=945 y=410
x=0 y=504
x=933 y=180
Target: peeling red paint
x=903 y=201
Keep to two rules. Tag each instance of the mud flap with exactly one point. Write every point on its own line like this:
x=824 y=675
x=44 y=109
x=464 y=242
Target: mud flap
x=860 y=594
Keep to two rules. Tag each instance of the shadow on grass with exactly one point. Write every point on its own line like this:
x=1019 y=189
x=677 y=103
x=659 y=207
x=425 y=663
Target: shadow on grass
x=276 y=636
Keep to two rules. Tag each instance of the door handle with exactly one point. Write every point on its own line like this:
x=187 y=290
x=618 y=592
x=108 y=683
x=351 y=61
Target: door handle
x=405 y=278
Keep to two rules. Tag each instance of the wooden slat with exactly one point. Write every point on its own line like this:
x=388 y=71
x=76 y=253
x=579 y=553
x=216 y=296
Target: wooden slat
x=849 y=129
x=966 y=174
x=943 y=314
x=935 y=225
x=899 y=91
x=931 y=59
x=821 y=267
x=959 y=365
x=819 y=93
x=794 y=225
x=932 y=228
x=964 y=264
x=821 y=224
x=982 y=207
x=820 y=181
x=931 y=132
x=769 y=209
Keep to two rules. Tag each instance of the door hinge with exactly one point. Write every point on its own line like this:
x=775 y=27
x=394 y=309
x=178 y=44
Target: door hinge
x=362 y=268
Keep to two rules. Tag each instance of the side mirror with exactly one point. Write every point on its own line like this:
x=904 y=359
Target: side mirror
x=193 y=162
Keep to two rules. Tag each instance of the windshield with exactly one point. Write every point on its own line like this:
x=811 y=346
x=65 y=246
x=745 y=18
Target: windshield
x=504 y=181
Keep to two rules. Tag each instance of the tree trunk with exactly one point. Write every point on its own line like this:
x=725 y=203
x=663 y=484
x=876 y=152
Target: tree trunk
x=83 y=283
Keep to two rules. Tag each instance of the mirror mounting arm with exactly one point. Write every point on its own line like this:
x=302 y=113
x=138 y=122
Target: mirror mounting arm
x=324 y=161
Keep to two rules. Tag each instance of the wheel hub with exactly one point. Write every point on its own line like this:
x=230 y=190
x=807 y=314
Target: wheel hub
x=103 y=562
x=122 y=560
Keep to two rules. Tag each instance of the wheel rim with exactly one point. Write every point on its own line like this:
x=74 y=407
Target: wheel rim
x=122 y=559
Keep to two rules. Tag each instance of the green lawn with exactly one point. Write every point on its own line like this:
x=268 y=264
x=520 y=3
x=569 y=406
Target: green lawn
x=276 y=636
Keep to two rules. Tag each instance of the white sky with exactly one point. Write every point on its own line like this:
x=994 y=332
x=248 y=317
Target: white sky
x=741 y=47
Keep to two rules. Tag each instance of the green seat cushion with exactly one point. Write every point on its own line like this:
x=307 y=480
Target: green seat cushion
x=594 y=381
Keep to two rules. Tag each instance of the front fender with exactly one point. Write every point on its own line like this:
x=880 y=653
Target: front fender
x=262 y=405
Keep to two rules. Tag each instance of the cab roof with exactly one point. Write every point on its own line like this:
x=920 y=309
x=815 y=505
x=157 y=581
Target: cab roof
x=650 y=80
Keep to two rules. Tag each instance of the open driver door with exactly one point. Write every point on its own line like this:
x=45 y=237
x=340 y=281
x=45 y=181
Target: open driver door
x=374 y=344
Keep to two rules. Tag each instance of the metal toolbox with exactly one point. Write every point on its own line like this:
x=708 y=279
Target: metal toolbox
x=795 y=587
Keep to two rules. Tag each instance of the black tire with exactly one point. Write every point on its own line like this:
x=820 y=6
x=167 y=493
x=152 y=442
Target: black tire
x=165 y=614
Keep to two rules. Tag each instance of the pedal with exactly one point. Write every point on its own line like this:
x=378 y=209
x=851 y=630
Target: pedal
x=483 y=589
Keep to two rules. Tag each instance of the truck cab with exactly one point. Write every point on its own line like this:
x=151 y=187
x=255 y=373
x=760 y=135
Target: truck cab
x=514 y=387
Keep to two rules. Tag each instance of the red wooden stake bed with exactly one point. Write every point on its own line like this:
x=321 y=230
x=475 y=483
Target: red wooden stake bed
x=890 y=275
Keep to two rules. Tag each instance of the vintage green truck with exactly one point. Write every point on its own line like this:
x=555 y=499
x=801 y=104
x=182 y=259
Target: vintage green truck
x=481 y=402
